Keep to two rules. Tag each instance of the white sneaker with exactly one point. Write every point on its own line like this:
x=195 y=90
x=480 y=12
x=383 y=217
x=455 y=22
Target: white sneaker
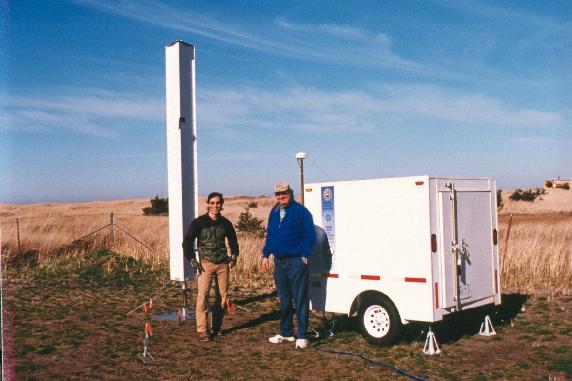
x=301 y=343
x=277 y=339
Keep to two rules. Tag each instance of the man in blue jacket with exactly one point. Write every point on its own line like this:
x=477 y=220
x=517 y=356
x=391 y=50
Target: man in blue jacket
x=290 y=239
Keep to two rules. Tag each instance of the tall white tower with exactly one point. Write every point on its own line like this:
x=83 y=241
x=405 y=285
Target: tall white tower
x=181 y=151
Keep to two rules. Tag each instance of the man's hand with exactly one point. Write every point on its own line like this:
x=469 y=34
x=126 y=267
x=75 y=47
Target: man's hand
x=305 y=260
x=265 y=264
x=196 y=266
x=232 y=262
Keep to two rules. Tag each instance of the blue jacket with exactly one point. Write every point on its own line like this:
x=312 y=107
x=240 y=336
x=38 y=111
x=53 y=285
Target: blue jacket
x=294 y=236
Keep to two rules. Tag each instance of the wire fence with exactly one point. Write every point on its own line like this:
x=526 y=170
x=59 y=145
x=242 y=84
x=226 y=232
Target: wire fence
x=33 y=239
x=41 y=239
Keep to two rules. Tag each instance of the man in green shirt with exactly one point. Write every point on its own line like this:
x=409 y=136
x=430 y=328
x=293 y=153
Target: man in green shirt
x=211 y=230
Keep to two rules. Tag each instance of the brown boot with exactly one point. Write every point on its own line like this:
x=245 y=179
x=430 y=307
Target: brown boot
x=203 y=336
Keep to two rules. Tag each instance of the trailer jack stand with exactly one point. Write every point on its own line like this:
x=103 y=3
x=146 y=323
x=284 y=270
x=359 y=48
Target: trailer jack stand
x=487 y=327
x=431 y=347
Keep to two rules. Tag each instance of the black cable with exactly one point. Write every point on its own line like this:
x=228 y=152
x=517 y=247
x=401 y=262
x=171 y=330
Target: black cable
x=375 y=363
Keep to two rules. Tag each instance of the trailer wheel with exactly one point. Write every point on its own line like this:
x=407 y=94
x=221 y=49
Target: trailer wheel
x=379 y=320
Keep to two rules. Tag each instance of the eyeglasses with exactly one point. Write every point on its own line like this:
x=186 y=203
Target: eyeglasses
x=283 y=193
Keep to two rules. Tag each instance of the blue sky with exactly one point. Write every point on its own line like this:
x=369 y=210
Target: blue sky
x=368 y=89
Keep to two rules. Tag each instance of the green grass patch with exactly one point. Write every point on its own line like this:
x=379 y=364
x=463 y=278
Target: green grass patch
x=26 y=348
x=561 y=349
x=46 y=349
x=479 y=377
x=563 y=365
x=449 y=375
x=98 y=268
x=526 y=338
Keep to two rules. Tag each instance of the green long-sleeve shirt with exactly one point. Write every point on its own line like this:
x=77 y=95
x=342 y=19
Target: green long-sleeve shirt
x=210 y=235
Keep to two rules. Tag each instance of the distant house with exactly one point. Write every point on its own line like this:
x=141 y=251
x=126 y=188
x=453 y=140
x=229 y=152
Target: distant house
x=557 y=183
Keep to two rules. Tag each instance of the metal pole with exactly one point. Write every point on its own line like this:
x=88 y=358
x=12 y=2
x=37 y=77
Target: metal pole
x=185 y=298
x=300 y=156
x=302 y=180
x=18 y=235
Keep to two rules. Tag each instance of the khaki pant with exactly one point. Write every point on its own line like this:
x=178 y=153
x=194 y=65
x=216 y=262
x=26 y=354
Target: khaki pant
x=219 y=273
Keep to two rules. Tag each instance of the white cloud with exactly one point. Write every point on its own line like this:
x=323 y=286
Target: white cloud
x=347 y=45
x=88 y=111
x=465 y=108
x=343 y=31
x=295 y=107
x=357 y=111
x=542 y=141
x=539 y=31
x=105 y=113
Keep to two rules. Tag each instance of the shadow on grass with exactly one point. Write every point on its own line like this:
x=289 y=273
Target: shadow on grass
x=255 y=298
x=451 y=329
x=468 y=323
x=270 y=316
x=273 y=315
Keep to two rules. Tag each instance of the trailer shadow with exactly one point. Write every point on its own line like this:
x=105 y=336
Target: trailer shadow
x=468 y=323
x=451 y=329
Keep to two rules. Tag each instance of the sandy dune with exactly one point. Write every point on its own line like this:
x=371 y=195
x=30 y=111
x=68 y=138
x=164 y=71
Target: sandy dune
x=554 y=201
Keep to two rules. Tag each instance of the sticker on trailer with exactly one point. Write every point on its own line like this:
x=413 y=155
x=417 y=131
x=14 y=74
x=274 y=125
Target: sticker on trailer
x=465 y=291
x=329 y=216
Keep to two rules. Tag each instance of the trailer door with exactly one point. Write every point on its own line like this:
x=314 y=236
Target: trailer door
x=467 y=247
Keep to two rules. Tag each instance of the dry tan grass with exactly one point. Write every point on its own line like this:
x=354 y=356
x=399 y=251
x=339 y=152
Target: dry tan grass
x=538 y=257
x=52 y=230
x=538 y=254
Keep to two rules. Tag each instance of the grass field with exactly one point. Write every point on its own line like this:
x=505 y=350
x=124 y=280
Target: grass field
x=536 y=258
x=65 y=306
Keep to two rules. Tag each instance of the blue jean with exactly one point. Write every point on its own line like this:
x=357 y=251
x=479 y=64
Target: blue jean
x=291 y=277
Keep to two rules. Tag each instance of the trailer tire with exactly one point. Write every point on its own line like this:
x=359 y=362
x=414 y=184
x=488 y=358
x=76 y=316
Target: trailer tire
x=379 y=320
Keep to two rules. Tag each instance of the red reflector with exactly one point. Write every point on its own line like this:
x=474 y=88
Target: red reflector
x=496 y=282
x=433 y=243
x=308 y=189
x=436 y=295
x=419 y=183
x=328 y=275
x=370 y=277
x=416 y=280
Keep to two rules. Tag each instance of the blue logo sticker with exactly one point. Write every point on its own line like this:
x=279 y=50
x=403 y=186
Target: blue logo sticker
x=329 y=216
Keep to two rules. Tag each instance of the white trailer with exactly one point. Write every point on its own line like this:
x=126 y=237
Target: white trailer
x=404 y=249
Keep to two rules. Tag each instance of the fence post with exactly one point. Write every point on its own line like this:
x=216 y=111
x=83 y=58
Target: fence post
x=507 y=235
x=18 y=235
x=111 y=226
